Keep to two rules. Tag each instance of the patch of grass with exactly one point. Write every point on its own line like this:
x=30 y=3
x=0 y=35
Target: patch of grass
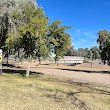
x=42 y=92
x=107 y=101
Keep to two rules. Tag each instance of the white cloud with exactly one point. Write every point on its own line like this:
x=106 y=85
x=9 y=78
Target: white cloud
x=83 y=40
x=77 y=32
x=90 y=34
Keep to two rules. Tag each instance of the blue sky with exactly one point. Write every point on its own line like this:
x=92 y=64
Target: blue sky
x=86 y=17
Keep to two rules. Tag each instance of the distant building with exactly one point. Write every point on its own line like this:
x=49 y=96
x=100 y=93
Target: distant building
x=70 y=60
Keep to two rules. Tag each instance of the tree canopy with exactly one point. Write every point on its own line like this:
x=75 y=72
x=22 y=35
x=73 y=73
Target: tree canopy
x=25 y=28
x=104 y=45
x=59 y=39
x=70 y=51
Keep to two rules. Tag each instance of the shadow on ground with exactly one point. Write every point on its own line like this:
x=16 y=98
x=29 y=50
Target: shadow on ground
x=13 y=69
x=10 y=65
x=77 y=70
x=22 y=72
x=86 y=71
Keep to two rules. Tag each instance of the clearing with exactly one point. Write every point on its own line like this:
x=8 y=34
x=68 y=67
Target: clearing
x=51 y=87
x=44 y=92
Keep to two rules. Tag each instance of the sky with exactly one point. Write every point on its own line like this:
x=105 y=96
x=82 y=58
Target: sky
x=86 y=17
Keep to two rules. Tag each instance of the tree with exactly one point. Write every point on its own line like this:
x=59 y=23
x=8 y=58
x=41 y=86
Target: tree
x=9 y=23
x=104 y=45
x=59 y=39
x=80 y=52
x=70 y=51
x=95 y=53
x=89 y=54
x=75 y=52
x=5 y=25
x=31 y=37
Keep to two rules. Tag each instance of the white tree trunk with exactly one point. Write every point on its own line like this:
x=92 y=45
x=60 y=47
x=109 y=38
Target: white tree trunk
x=28 y=68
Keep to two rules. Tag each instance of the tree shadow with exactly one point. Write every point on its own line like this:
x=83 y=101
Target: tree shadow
x=72 y=97
x=10 y=65
x=73 y=64
x=62 y=96
x=22 y=72
x=13 y=69
x=57 y=95
x=78 y=83
x=86 y=71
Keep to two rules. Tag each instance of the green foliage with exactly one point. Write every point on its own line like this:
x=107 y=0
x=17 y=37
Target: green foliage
x=31 y=25
x=89 y=54
x=104 y=46
x=4 y=28
x=95 y=53
x=11 y=17
x=59 y=39
x=24 y=30
x=70 y=51
x=80 y=52
x=33 y=34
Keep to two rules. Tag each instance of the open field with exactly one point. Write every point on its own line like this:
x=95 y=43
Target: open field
x=44 y=92
x=75 y=73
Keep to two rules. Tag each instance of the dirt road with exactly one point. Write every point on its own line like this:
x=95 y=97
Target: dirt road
x=98 y=77
x=79 y=74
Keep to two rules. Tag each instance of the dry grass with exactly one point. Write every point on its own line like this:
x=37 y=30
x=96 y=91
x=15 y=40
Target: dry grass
x=42 y=92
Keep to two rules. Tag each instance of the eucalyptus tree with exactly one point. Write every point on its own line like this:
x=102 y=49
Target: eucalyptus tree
x=5 y=24
x=104 y=45
x=9 y=24
x=59 y=39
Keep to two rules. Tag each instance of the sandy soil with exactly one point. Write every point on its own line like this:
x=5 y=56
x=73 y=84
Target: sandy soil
x=76 y=74
x=80 y=74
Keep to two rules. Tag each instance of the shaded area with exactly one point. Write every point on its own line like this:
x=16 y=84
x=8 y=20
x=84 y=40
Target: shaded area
x=10 y=65
x=86 y=71
x=22 y=72
x=60 y=96
x=73 y=64
x=14 y=69
x=87 y=85
x=77 y=70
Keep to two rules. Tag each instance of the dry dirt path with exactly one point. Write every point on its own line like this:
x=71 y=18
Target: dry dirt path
x=100 y=77
x=78 y=74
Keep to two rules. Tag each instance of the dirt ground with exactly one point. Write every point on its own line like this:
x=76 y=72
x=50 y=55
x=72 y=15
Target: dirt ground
x=44 y=92
x=76 y=73
x=60 y=88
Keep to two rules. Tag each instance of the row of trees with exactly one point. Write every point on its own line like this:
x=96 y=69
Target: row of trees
x=93 y=53
x=102 y=52
x=24 y=28
x=104 y=46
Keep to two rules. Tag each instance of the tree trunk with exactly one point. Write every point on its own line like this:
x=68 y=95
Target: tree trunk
x=76 y=63
x=0 y=69
x=57 y=63
x=28 y=68
x=91 y=62
x=39 y=61
x=7 y=60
